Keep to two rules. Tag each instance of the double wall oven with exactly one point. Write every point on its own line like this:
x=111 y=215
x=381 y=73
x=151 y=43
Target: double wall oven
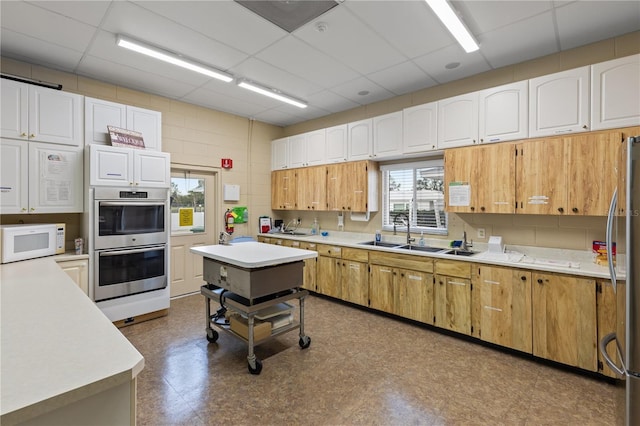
x=130 y=242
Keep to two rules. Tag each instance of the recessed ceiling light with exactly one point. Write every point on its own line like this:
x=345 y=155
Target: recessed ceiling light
x=452 y=65
x=363 y=92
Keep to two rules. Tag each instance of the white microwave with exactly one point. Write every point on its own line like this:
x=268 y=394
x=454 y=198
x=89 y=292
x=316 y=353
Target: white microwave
x=22 y=242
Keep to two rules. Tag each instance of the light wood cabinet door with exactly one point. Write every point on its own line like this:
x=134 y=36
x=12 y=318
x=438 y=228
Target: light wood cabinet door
x=458 y=170
x=328 y=276
x=381 y=288
x=452 y=303
x=541 y=179
x=284 y=190
x=564 y=319
x=355 y=282
x=606 y=303
x=414 y=295
x=502 y=302
x=356 y=184
x=310 y=267
x=312 y=188
x=334 y=179
x=494 y=179
x=592 y=161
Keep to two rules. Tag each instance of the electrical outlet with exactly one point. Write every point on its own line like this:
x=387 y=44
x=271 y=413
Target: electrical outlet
x=299 y=221
x=481 y=233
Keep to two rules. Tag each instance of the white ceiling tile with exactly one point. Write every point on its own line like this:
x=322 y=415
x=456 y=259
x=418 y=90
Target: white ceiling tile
x=483 y=16
x=126 y=18
x=434 y=64
x=351 y=90
x=299 y=58
x=409 y=26
x=350 y=42
x=331 y=102
x=528 y=39
x=224 y=21
x=47 y=26
x=89 y=12
x=29 y=49
x=571 y=30
x=403 y=78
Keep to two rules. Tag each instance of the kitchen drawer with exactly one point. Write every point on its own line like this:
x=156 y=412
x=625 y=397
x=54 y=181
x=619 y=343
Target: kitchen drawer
x=357 y=255
x=329 y=250
x=405 y=261
x=453 y=268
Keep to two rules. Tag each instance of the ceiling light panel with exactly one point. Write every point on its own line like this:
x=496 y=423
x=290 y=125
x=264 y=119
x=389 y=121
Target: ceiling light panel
x=456 y=27
x=272 y=93
x=288 y=15
x=171 y=58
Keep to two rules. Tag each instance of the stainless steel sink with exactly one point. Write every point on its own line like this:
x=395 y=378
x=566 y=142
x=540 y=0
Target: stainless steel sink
x=298 y=234
x=380 y=244
x=460 y=252
x=421 y=248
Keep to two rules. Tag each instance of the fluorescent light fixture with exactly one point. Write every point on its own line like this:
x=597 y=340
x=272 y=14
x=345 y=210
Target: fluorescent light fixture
x=456 y=27
x=272 y=93
x=171 y=58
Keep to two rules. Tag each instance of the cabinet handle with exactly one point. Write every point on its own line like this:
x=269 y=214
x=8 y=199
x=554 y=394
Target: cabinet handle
x=575 y=210
x=539 y=280
x=561 y=210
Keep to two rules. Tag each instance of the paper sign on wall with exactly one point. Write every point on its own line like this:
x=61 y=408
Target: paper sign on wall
x=186 y=216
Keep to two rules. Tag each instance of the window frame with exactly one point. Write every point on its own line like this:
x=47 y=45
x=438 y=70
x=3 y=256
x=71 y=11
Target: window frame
x=387 y=225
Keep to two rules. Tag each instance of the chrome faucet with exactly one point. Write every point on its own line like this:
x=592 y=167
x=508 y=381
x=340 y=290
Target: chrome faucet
x=465 y=245
x=224 y=238
x=405 y=221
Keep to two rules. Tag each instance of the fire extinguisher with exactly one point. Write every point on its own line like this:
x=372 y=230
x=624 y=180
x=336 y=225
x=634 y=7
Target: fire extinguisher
x=228 y=221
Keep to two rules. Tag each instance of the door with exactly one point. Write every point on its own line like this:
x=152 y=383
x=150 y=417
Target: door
x=381 y=288
x=414 y=296
x=14 y=176
x=193 y=213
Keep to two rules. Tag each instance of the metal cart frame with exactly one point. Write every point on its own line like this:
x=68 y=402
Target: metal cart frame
x=249 y=308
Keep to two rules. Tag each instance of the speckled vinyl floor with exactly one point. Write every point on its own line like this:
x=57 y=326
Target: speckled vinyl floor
x=361 y=369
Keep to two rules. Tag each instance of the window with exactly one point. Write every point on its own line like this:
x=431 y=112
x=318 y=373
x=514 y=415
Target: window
x=187 y=203
x=414 y=192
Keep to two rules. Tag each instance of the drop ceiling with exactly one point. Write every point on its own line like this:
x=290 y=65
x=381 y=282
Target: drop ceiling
x=356 y=53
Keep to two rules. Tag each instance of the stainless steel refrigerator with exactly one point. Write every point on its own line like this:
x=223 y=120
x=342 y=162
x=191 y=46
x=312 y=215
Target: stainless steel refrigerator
x=623 y=227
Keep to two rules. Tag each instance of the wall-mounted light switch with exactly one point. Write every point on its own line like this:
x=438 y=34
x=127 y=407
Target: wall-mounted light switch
x=481 y=233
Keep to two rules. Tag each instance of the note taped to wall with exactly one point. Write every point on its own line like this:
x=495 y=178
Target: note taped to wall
x=186 y=216
x=459 y=194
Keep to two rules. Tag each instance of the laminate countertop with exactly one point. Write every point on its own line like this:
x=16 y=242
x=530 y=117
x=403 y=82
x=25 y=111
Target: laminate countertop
x=253 y=255
x=57 y=346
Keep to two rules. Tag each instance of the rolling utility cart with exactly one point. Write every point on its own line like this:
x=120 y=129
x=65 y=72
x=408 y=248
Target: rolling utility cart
x=254 y=280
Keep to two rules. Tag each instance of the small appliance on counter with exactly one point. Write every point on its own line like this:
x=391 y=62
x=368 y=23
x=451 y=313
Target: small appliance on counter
x=22 y=242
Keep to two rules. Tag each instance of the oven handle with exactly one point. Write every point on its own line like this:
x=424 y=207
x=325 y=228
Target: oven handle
x=126 y=203
x=129 y=251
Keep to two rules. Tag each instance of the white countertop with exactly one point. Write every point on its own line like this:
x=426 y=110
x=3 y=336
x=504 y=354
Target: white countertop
x=572 y=262
x=57 y=346
x=253 y=255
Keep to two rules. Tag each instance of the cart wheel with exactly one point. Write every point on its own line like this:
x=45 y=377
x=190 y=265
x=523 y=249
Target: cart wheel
x=257 y=369
x=304 y=342
x=212 y=335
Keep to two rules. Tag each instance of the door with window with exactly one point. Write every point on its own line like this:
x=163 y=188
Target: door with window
x=193 y=211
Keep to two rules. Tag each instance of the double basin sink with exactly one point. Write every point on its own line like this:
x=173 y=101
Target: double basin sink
x=412 y=247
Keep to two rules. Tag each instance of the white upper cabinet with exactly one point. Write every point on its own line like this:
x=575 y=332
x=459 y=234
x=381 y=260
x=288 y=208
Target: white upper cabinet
x=420 y=128
x=307 y=149
x=99 y=114
x=128 y=167
x=279 y=154
x=458 y=121
x=559 y=103
x=40 y=114
x=40 y=178
x=504 y=112
x=615 y=90
x=387 y=135
x=360 y=140
x=336 y=138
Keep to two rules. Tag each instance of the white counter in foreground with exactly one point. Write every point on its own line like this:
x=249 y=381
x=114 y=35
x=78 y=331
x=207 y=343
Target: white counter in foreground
x=63 y=361
x=253 y=255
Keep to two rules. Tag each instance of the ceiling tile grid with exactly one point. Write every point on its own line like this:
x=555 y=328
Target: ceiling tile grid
x=356 y=53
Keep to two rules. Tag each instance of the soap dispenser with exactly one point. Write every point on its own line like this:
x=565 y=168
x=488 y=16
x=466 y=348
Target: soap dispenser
x=421 y=242
x=315 y=227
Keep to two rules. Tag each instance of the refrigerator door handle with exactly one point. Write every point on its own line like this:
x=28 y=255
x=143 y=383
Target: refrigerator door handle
x=603 y=350
x=610 y=216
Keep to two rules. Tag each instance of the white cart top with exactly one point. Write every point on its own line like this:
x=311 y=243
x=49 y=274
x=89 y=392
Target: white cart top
x=253 y=254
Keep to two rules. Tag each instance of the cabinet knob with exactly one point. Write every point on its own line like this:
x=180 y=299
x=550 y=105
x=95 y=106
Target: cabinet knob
x=472 y=208
x=32 y=209
x=523 y=278
x=561 y=210
x=32 y=135
x=585 y=127
x=575 y=210
x=474 y=141
x=23 y=209
x=23 y=134
x=482 y=208
x=539 y=280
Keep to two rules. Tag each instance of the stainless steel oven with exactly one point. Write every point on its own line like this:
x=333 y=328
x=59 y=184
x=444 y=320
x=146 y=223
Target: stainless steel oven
x=130 y=241
x=128 y=271
x=126 y=218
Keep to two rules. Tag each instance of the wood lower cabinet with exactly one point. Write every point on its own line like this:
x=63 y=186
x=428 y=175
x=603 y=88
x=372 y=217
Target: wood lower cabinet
x=354 y=276
x=381 y=288
x=607 y=311
x=501 y=312
x=414 y=295
x=328 y=276
x=78 y=270
x=452 y=295
x=564 y=319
